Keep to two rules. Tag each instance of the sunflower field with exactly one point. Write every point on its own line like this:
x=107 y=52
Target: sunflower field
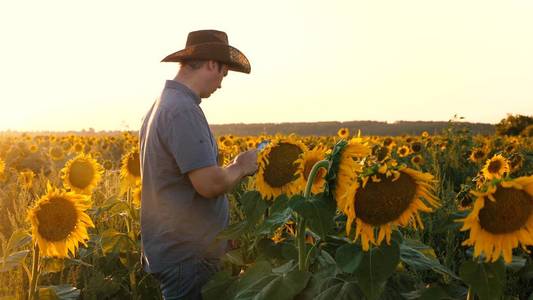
x=429 y=216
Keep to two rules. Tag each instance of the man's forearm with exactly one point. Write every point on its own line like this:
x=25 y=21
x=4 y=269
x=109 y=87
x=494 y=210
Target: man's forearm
x=233 y=174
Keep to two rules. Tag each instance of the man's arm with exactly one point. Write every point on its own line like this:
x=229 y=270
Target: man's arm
x=213 y=181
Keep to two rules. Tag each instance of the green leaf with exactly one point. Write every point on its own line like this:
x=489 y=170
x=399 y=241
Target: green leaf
x=268 y=249
x=218 y=286
x=527 y=272
x=254 y=206
x=19 y=238
x=318 y=213
x=52 y=265
x=341 y=290
x=487 y=280
x=348 y=257
x=235 y=257
x=324 y=269
x=434 y=293
x=377 y=265
x=274 y=221
x=13 y=260
x=115 y=242
x=420 y=262
x=234 y=231
x=517 y=263
x=61 y=292
x=285 y=287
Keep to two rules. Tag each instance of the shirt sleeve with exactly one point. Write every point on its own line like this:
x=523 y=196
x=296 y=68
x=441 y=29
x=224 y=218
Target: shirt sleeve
x=189 y=141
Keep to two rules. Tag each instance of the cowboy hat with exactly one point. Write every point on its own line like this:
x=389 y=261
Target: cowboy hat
x=211 y=45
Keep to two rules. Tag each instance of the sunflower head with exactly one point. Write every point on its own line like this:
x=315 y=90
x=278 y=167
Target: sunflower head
x=81 y=174
x=343 y=133
x=59 y=222
x=496 y=168
x=136 y=200
x=278 y=166
x=383 y=196
x=56 y=153
x=2 y=166
x=403 y=151
x=501 y=218
x=416 y=147
x=417 y=160
x=305 y=164
x=477 y=155
x=130 y=170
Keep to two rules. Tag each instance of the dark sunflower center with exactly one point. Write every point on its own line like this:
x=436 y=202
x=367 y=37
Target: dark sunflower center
x=134 y=164
x=281 y=168
x=57 y=219
x=416 y=147
x=494 y=166
x=81 y=174
x=381 y=153
x=478 y=154
x=508 y=213
x=381 y=202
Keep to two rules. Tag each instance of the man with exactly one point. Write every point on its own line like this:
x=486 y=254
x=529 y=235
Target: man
x=183 y=203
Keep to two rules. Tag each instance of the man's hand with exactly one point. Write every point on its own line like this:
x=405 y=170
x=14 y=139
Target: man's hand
x=247 y=162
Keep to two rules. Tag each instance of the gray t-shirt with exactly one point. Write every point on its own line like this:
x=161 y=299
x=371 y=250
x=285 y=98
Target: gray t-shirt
x=177 y=223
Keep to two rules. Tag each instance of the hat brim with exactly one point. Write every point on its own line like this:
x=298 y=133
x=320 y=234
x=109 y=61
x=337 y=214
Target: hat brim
x=229 y=55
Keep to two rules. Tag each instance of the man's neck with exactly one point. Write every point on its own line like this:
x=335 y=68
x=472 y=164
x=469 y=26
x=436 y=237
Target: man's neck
x=189 y=82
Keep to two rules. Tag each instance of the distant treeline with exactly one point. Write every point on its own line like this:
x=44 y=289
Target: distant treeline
x=310 y=128
x=366 y=127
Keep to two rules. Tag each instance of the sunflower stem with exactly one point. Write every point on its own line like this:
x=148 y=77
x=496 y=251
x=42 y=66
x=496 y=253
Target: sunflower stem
x=320 y=164
x=301 y=244
x=302 y=249
x=34 y=272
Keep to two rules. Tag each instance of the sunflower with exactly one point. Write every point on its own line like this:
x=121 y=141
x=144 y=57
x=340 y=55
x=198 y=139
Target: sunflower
x=81 y=174
x=388 y=142
x=33 y=148
x=381 y=152
x=343 y=133
x=496 y=167
x=425 y=134
x=346 y=171
x=306 y=162
x=130 y=171
x=501 y=219
x=78 y=147
x=403 y=151
x=277 y=173
x=477 y=155
x=136 y=200
x=59 y=222
x=2 y=166
x=57 y=153
x=515 y=162
x=416 y=147
x=417 y=160
x=384 y=201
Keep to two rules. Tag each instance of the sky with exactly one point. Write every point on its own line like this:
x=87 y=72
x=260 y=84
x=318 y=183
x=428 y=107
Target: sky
x=72 y=65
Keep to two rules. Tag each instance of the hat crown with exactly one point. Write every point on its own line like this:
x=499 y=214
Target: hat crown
x=206 y=36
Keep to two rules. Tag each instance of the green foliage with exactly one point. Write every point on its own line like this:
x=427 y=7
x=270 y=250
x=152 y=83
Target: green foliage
x=487 y=280
x=513 y=124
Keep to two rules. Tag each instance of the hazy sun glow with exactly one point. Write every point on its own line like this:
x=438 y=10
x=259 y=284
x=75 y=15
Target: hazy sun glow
x=68 y=65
